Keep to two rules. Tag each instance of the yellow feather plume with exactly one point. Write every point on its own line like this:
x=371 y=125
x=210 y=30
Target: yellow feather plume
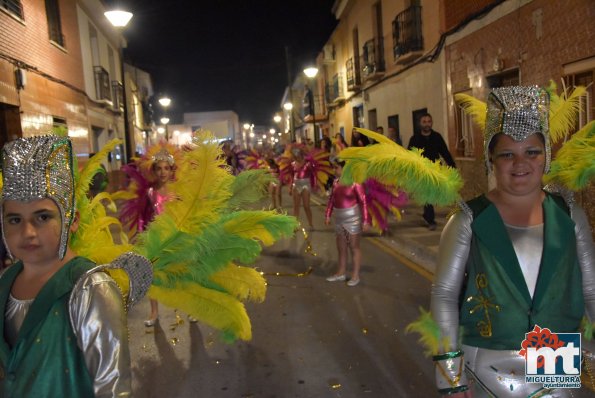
x=91 y=168
x=216 y=309
x=563 y=110
x=244 y=283
x=476 y=108
x=391 y=164
x=251 y=225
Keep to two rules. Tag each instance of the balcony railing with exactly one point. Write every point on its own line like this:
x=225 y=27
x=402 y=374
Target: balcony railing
x=335 y=90
x=407 y=32
x=373 y=57
x=352 y=74
x=102 y=84
x=118 y=95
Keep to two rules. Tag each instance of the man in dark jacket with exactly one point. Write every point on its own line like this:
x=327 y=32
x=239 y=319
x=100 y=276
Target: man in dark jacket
x=434 y=147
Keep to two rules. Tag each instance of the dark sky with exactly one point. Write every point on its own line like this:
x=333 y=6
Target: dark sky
x=225 y=54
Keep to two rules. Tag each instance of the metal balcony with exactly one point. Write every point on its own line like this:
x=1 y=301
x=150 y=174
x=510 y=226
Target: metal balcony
x=373 y=58
x=118 y=95
x=408 y=42
x=353 y=74
x=102 y=84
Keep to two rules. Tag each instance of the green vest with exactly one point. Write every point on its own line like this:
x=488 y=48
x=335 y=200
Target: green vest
x=496 y=308
x=46 y=360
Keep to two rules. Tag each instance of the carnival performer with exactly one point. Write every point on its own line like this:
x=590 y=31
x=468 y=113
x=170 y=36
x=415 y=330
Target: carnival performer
x=515 y=260
x=64 y=331
x=274 y=185
x=349 y=206
x=301 y=184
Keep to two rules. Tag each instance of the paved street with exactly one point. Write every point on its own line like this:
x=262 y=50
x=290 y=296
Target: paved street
x=311 y=338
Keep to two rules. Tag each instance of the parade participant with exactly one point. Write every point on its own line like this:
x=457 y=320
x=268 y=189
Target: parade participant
x=274 y=185
x=162 y=168
x=512 y=259
x=434 y=147
x=348 y=204
x=358 y=139
x=301 y=184
x=64 y=330
x=340 y=144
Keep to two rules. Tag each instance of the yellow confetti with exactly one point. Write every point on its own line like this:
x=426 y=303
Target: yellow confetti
x=364 y=331
x=174 y=341
x=335 y=386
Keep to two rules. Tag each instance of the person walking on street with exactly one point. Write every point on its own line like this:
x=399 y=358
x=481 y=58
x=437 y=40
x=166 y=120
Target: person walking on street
x=434 y=147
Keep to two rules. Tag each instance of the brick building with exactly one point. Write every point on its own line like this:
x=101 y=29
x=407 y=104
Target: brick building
x=500 y=43
x=60 y=68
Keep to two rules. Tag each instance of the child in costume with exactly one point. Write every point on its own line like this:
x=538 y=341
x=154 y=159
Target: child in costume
x=162 y=168
x=63 y=327
x=300 y=186
x=348 y=203
x=513 y=259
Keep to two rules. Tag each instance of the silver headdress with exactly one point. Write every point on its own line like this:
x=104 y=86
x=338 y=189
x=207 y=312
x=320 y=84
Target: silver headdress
x=164 y=156
x=518 y=112
x=38 y=168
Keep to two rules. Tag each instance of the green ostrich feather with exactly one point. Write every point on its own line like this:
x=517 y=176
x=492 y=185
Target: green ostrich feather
x=389 y=163
x=430 y=334
x=574 y=165
x=249 y=186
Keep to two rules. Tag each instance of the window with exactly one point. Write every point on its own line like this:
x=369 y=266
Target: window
x=54 y=26
x=465 y=145
x=587 y=109
x=13 y=6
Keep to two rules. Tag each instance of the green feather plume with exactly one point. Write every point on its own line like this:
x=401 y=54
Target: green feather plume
x=574 y=165
x=249 y=186
x=389 y=163
x=430 y=334
x=563 y=110
x=588 y=328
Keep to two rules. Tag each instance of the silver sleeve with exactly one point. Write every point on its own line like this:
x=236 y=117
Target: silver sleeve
x=99 y=321
x=586 y=258
x=455 y=243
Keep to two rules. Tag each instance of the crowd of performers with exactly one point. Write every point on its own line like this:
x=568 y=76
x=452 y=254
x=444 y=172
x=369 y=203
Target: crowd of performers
x=515 y=263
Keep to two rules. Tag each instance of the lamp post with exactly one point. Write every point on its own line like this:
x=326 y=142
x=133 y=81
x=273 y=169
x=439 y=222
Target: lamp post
x=311 y=73
x=119 y=19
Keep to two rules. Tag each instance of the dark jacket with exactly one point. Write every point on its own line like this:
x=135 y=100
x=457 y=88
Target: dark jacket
x=433 y=146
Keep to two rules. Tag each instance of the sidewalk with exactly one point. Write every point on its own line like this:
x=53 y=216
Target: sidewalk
x=411 y=236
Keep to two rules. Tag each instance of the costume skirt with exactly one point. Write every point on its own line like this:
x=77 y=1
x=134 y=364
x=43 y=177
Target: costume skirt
x=348 y=219
x=302 y=184
x=501 y=373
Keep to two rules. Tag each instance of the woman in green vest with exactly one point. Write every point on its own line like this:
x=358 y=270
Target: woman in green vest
x=63 y=329
x=513 y=259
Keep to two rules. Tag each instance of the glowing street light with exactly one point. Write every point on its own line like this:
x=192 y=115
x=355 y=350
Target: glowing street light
x=264 y=136
x=277 y=118
x=246 y=126
x=272 y=131
x=288 y=106
x=252 y=135
x=165 y=101
x=118 y=18
x=164 y=120
x=311 y=72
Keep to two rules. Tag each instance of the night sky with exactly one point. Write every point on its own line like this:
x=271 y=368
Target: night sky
x=225 y=54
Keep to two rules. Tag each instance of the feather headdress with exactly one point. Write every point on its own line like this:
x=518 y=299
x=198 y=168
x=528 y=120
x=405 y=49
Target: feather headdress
x=162 y=151
x=391 y=164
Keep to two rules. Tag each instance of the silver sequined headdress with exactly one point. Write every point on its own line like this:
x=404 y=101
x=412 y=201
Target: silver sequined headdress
x=37 y=168
x=164 y=156
x=518 y=112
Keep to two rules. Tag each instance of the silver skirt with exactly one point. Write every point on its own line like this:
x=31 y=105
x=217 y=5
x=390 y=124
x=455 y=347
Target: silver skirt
x=348 y=219
x=501 y=373
x=302 y=184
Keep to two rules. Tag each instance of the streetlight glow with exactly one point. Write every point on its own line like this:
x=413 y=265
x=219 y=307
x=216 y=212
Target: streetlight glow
x=118 y=18
x=264 y=136
x=160 y=130
x=251 y=135
x=165 y=101
x=272 y=131
x=288 y=106
x=246 y=126
x=311 y=72
x=277 y=118
x=164 y=120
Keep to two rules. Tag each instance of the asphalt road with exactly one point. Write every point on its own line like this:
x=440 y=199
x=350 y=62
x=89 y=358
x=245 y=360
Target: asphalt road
x=311 y=338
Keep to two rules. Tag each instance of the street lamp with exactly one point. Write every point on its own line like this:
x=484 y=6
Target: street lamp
x=164 y=101
x=311 y=73
x=119 y=19
x=276 y=118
